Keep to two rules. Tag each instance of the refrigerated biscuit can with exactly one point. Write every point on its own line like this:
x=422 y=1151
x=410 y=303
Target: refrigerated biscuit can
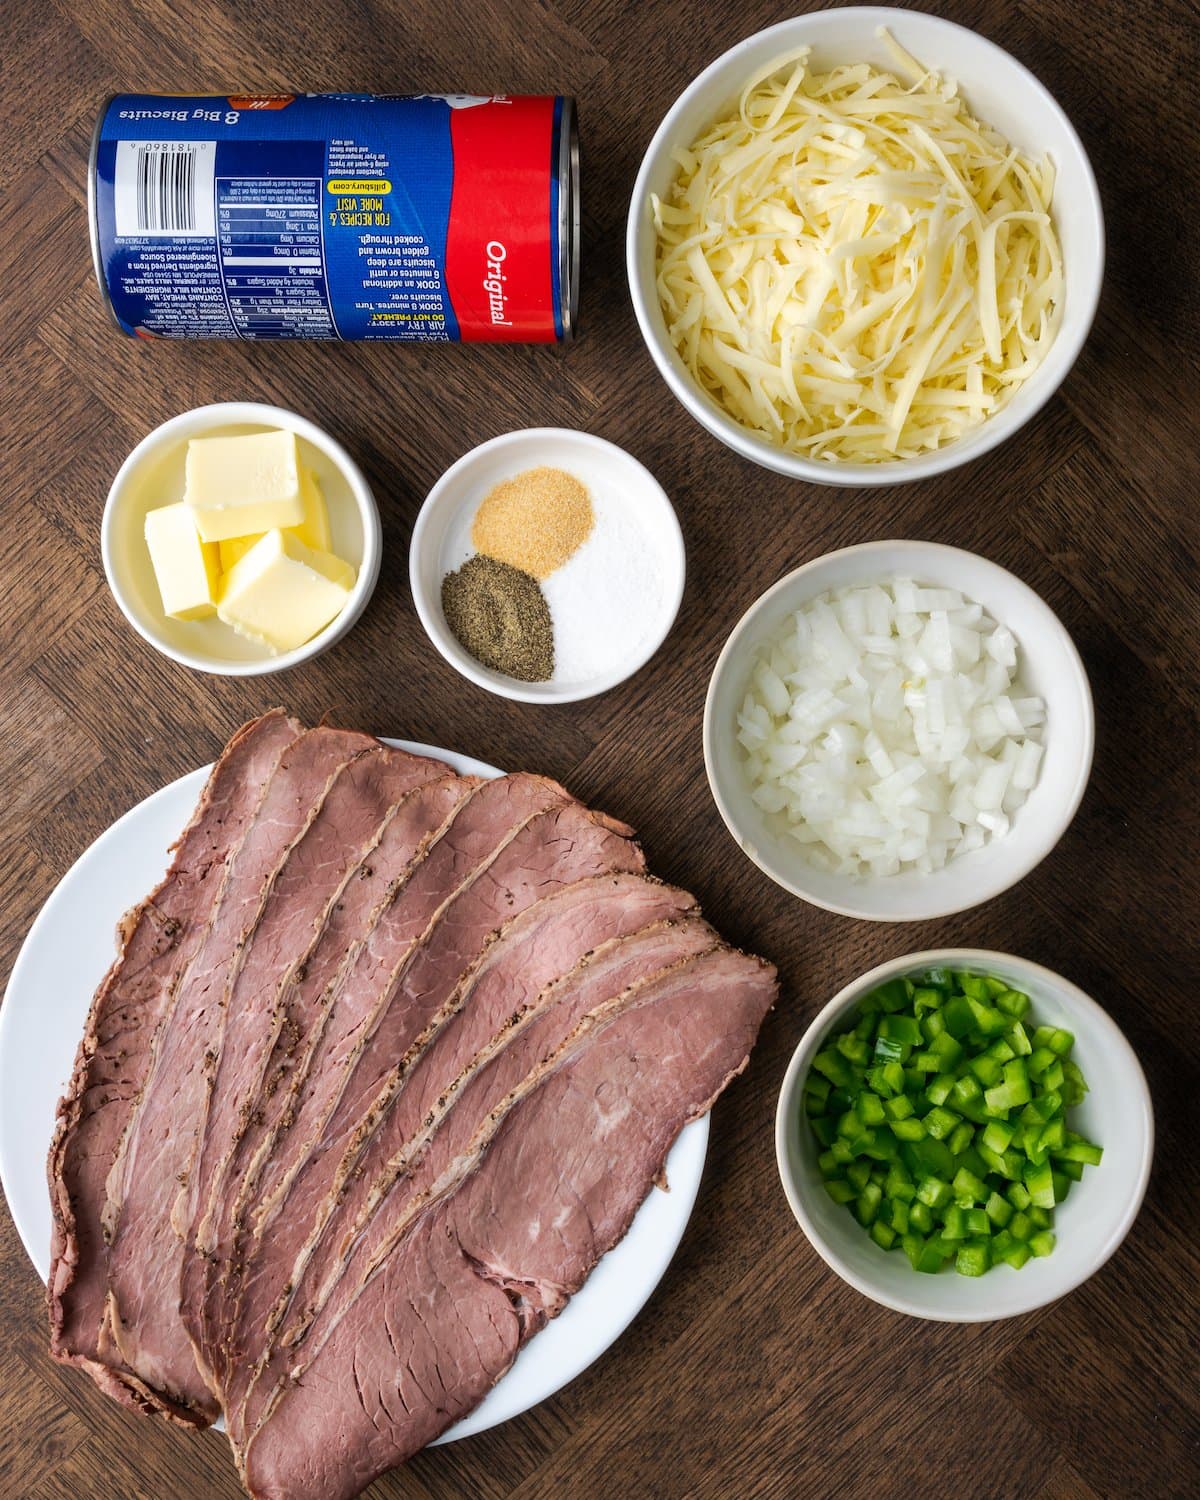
x=426 y=218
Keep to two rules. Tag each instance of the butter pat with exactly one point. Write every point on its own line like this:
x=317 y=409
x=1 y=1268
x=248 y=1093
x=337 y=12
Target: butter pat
x=243 y=486
x=185 y=568
x=313 y=530
x=234 y=548
x=282 y=593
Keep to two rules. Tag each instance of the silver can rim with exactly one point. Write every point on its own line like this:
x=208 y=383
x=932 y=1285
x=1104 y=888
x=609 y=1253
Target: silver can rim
x=93 y=215
x=568 y=219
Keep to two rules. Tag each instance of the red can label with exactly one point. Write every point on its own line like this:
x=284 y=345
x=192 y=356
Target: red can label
x=498 y=245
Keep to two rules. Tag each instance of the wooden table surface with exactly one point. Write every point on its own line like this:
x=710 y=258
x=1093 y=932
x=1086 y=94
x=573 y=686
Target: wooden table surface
x=754 y=1371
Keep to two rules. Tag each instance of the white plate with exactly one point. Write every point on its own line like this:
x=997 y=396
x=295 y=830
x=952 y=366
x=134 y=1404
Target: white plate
x=68 y=949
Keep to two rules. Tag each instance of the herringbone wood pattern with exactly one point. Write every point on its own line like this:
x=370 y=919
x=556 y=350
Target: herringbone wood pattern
x=754 y=1372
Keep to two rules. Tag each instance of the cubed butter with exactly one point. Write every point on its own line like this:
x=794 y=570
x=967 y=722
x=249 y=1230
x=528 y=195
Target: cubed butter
x=243 y=486
x=186 y=569
x=282 y=593
x=234 y=548
x=313 y=531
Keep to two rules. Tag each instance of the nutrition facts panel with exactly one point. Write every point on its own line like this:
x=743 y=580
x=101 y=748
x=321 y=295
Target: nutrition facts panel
x=271 y=257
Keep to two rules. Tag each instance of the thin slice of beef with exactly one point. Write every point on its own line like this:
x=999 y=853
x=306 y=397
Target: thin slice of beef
x=156 y=939
x=145 y=1252
x=554 y=847
x=524 y=970
x=562 y=1177
x=481 y=826
x=419 y=822
x=327 y=857
x=384 y=1066
x=440 y=1147
x=484 y=825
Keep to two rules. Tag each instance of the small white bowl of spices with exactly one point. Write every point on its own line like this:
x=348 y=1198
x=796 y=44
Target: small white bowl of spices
x=547 y=565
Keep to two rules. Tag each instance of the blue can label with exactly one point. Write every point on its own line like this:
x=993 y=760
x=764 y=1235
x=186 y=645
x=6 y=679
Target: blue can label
x=331 y=216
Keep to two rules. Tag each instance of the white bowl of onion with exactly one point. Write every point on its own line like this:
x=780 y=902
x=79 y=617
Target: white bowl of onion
x=812 y=381
x=867 y=773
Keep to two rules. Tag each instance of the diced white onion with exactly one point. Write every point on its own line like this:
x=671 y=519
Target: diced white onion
x=885 y=729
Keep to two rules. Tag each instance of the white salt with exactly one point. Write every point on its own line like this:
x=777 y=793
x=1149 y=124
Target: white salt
x=605 y=599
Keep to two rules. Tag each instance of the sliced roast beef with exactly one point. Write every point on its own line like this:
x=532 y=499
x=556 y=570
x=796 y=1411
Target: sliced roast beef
x=305 y=892
x=144 y=1258
x=564 y=1173
x=445 y=1119
x=157 y=939
x=410 y=831
x=484 y=823
x=554 y=847
x=386 y=1063
x=478 y=828
x=495 y=999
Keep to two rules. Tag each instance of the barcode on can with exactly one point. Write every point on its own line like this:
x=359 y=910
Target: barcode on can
x=165 y=188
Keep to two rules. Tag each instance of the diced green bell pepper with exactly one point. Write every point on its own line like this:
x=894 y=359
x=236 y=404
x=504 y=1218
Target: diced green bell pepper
x=968 y=1188
x=973 y=1258
x=999 y=1210
x=978 y=1224
x=870 y=1109
x=940 y=1122
x=834 y=1067
x=1077 y=1149
x=853 y=1048
x=1040 y=1182
x=1012 y=1003
x=954 y=1223
x=934 y=1192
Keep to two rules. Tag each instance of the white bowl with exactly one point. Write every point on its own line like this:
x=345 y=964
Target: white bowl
x=1049 y=667
x=1093 y=1221
x=153 y=475
x=999 y=91
x=441 y=543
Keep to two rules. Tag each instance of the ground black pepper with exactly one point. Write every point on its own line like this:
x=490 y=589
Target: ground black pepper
x=500 y=615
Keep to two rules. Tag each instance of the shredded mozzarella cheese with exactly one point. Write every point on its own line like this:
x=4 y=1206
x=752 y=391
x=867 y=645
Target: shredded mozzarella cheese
x=853 y=265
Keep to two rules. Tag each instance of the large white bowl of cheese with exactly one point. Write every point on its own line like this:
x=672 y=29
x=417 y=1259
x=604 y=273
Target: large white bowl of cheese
x=153 y=476
x=1000 y=92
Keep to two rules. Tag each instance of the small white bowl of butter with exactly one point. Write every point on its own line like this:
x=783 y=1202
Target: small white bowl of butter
x=295 y=577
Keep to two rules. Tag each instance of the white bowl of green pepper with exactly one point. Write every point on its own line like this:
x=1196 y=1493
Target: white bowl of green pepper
x=964 y=1135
